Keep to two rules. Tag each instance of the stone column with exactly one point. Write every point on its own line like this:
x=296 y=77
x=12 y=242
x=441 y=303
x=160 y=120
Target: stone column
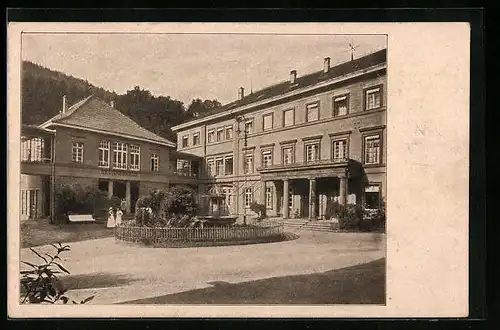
x=128 y=197
x=312 y=198
x=343 y=189
x=263 y=192
x=285 y=199
x=275 y=199
x=110 y=188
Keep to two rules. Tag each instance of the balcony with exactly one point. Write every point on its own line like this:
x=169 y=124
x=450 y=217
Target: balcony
x=322 y=163
x=185 y=172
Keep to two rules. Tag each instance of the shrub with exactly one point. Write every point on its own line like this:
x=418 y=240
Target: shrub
x=173 y=207
x=260 y=209
x=114 y=202
x=41 y=284
x=143 y=217
x=73 y=199
x=352 y=217
x=374 y=220
x=181 y=200
x=335 y=210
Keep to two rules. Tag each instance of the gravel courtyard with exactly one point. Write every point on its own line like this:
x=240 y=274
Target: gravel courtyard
x=117 y=272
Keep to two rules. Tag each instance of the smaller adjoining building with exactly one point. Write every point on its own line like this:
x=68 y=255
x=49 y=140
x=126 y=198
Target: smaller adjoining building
x=93 y=144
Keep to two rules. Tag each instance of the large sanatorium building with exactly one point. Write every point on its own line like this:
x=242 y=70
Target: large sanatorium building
x=300 y=144
x=295 y=147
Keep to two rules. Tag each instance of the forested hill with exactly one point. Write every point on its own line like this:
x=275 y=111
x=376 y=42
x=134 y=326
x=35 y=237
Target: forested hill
x=43 y=90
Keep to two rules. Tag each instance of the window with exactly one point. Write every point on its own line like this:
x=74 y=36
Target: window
x=183 y=167
x=155 y=161
x=267 y=158
x=185 y=141
x=341 y=105
x=249 y=163
x=248 y=197
x=135 y=157
x=77 y=152
x=228 y=165
x=228 y=191
x=269 y=197
x=372 y=149
x=249 y=126
x=210 y=167
x=219 y=166
x=287 y=155
x=211 y=136
x=120 y=155
x=267 y=122
x=339 y=149
x=196 y=139
x=312 y=112
x=23 y=201
x=229 y=132
x=373 y=98
x=312 y=152
x=220 y=134
x=33 y=150
x=372 y=196
x=289 y=117
x=103 y=154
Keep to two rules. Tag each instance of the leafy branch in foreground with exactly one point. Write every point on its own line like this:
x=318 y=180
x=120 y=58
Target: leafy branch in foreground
x=41 y=283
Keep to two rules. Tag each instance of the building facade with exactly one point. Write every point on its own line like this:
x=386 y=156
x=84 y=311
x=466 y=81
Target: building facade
x=300 y=145
x=93 y=144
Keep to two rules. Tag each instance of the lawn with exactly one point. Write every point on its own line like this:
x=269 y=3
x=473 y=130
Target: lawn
x=361 y=284
x=41 y=232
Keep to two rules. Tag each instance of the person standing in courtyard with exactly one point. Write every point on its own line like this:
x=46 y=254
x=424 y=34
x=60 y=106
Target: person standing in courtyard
x=111 y=218
x=118 y=219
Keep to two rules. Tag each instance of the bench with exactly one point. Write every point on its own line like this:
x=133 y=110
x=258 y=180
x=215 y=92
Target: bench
x=81 y=218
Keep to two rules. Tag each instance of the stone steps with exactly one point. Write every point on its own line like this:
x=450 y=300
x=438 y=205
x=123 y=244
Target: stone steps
x=314 y=225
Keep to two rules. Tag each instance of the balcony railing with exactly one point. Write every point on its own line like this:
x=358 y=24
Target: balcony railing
x=185 y=172
x=334 y=162
x=35 y=159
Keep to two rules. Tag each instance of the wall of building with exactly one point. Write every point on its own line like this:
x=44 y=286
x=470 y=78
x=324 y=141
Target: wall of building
x=358 y=118
x=357 y=124
x=66 y=136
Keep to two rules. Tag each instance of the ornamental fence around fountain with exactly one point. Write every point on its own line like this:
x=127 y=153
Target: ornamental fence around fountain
x=212 y=234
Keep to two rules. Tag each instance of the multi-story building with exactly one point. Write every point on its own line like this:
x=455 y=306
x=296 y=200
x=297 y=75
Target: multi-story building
x=93 y=144
x=299 y=145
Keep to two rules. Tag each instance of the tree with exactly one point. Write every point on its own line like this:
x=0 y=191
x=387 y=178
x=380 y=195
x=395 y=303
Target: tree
x=199 y=108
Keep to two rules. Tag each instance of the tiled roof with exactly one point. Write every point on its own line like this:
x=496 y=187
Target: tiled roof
x=361 y=63
x=95 y=114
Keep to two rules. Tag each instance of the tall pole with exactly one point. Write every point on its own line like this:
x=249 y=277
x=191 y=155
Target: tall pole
x=245 y=145
x=239 y=119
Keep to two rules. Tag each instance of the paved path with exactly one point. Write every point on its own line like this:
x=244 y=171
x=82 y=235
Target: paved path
x=115 y=272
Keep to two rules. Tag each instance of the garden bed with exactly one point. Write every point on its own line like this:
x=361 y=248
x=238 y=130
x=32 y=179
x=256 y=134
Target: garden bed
x=190 y=237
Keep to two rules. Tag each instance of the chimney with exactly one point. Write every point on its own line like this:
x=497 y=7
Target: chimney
x=64 y=104
x=293 y=76
x=326 y=65
x=241 y=93
x=112 y=103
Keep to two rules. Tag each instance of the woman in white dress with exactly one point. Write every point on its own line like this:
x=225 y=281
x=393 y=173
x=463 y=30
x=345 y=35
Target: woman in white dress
x=119 y=214
x=111 y=218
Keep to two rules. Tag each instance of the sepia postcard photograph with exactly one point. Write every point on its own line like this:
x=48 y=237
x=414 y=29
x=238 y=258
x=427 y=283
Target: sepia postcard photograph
x=214 y=169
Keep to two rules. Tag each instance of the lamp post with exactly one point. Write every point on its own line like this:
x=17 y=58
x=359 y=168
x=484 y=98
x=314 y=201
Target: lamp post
x=239 y=119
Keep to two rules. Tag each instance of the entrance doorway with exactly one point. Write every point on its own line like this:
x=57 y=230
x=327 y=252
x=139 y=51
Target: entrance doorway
x=30 y=203
x=119 y=189
x=134 y=195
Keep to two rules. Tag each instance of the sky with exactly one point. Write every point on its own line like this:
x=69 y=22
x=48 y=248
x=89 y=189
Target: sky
x=188 y=66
